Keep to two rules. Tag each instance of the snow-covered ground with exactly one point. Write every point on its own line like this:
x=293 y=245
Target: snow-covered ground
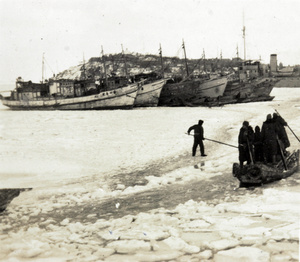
x=122 y=186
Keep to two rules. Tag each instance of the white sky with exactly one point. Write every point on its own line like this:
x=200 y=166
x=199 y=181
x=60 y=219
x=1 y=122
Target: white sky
x=66 y=29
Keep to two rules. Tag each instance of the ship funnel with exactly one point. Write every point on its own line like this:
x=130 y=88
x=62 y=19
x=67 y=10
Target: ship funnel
x=273 y=63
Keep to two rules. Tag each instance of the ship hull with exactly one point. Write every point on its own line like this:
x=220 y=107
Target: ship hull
x=120 y=98
x=260 y=87
x=282 y=73
x=213 y=88
x=148 y=94
x=177 y=94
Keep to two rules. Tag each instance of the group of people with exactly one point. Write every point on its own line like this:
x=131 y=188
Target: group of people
x=265 y=144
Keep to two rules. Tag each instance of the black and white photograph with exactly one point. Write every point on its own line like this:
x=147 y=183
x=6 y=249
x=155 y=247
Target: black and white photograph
x=149 y=130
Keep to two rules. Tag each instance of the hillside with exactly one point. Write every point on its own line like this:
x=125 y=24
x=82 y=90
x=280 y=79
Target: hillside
x=117 y=64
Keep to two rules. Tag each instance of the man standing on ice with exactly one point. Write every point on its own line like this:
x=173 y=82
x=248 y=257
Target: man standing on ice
x=269 y=134
x=198 y=137
x=282 y=135
x=245 y=139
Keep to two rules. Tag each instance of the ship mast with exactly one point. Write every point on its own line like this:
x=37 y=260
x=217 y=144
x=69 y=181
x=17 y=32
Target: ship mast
x=186 y=65
x=84 y=75
x=103 y=60
x=126 y=72
x=237 y=59
x=161 y=61
x=244 y=36
x=204 y=61
x=221 y=61
x=43 y=63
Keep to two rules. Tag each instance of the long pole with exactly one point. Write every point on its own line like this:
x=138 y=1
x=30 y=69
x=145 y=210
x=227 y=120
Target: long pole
x=215 y=141
x=220 y=142
x=250 y=151
x=281 y=154
x=289 y=127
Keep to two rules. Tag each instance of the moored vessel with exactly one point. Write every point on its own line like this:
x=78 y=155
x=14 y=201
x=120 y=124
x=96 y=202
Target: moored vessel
x=149 y=86
x=69 y=95
x=149 y=93
x=191 y=90
x=252 y=79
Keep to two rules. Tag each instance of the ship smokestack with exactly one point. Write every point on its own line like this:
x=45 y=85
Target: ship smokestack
x=273 y=63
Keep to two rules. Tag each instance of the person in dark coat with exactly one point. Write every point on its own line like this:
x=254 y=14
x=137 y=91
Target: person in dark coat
x=258 y=146
x=245 y=139
x=282 y=135
x=269 y=134
x=198 y=137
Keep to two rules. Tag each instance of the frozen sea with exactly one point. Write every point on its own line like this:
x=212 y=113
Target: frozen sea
x=88 y=169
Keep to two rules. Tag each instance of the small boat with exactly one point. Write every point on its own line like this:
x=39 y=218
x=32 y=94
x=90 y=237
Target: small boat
x=260 y=173
x=8 y=194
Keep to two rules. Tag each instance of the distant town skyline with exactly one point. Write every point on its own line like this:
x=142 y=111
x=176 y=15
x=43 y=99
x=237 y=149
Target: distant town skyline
x=67 y=32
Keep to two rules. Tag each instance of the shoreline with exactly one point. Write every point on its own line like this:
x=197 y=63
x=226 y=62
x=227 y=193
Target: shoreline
x=292 y=81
